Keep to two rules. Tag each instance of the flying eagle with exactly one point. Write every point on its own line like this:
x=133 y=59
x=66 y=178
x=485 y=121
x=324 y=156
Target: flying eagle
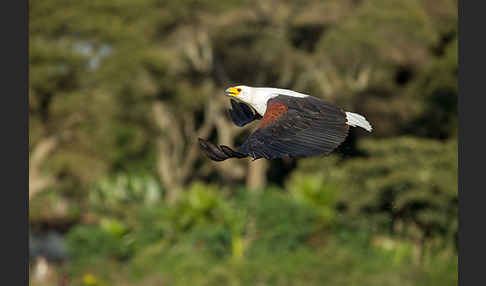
x=292 y=125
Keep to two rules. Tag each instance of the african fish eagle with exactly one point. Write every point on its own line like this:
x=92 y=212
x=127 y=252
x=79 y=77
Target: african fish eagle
x=293 y=124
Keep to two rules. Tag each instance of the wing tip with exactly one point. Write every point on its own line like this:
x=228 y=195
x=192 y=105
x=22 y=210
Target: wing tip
x=218 y=153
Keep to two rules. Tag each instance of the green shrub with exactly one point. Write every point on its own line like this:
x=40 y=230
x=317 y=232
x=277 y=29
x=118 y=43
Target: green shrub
x=405 y=186
x=215 y=237
x=87 y=242
x=281 y=223
x=315 y=191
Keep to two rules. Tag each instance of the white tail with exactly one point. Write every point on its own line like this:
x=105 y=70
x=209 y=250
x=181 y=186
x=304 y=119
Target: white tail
x=354 y=119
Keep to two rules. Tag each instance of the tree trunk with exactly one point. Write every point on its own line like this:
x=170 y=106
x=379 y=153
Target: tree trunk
x=256 y=179
x=38 y=181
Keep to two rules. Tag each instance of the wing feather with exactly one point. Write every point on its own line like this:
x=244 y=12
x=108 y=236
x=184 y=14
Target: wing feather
x=305 y=127
x=241 y=114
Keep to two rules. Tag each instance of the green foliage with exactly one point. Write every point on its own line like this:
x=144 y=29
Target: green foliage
x=91 y=242
x=202 y=205
x=316 y=192
x=113 y=194
x=52 y=206
x=381 y=33
x=281 y=224
x=439 y=90
x=404 y=185
x=283 y=242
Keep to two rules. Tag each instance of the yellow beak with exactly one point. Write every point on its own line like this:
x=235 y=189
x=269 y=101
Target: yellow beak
x=231 y=91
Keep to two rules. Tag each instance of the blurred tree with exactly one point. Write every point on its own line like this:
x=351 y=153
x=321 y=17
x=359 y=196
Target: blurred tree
x=146 y=87
x=404 y=186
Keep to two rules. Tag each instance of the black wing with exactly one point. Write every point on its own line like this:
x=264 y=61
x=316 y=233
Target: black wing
x=303 y=127
x=241 y=114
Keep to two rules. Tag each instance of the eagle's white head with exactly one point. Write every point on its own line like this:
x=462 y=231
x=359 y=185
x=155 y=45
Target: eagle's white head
x=257 y=97
x=248 y=95
x=241 y=92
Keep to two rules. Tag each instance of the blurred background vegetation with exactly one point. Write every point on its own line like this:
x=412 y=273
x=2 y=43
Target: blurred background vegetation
x=120 y=90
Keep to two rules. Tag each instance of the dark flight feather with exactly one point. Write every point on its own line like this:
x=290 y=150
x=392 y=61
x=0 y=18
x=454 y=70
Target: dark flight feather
x=309 y=127
x=218 y=153
x=242 y=114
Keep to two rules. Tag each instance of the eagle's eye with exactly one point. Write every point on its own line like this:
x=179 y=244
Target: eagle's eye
x=238 y=89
